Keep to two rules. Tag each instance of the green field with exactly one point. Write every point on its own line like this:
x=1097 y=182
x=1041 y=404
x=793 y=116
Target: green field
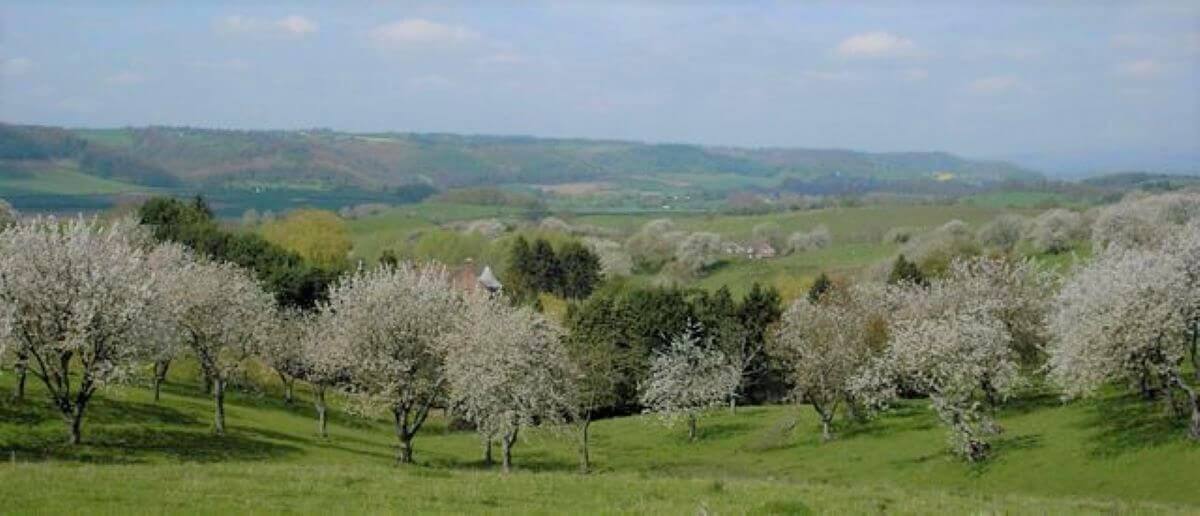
x=857 y=237
x=63 y=180
x=1114 y=455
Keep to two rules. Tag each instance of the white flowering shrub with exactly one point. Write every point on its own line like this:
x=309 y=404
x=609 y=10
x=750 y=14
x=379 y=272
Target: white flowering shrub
x=1003 y=233
x=1131 y=314
x=698 y=251
x=78 y=306
x=1145 y=221
x=392 y=322
x=818 y=238
x=934 y=251
x=225 y=318
x=1054 y=231
x=824 y=346
x=961 y=341
x=507 y=369
x=614 y=260
x=688 y=378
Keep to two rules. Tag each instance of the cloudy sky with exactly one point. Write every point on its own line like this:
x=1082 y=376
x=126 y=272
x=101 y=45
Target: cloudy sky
x=1060 y=84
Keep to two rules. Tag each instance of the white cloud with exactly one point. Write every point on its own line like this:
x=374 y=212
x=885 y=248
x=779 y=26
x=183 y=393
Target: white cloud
x=1140 y=69
x=914 y=74
x=292 y=25
x=15 y=66
x=125 y=78
x=296 y=24
x=876 y=45
x=996 y=84
x=419 y=31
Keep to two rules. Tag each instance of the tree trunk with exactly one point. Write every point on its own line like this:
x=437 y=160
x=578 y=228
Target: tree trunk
x=160 y=376
x=218 y=392
x=404 y=454
x=1196 y=352
x=585 y=463
x=506 y=444
x=22 y=369
x=75 y=421
x=1194 y=403
x=733 y=404
x=319 y=401
x=487 y=451
x=826 y=433
x=288 y=383
x=691 y=427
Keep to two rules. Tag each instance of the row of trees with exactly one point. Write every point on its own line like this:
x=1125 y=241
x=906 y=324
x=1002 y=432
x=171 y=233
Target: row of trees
x=84 y=304
x=572 y=271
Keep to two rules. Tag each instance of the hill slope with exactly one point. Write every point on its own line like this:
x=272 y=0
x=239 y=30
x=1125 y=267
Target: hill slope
x=1111 y=455
x=157 y=156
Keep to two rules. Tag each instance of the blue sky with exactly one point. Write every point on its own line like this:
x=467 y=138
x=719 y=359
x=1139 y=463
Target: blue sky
x=1057 y=84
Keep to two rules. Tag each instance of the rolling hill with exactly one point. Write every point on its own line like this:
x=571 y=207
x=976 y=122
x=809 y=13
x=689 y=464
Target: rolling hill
x=324 y=159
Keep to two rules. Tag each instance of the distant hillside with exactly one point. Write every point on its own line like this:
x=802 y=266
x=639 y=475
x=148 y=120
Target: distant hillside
x=208 y=158
x=1142 y=180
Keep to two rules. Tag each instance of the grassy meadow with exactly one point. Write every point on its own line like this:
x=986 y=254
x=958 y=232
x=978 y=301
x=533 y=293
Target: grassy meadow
x=1113 y=455
x=857 y=237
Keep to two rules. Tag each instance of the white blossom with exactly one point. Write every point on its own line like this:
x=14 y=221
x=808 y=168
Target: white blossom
x=393 y=321
x=1131 y=314
x=507 y=369
x=77 y=293
x=824 y=346
x=225 y=317
x=687 y=378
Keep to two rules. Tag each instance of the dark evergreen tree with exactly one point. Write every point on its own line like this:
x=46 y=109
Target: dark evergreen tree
x=388 y=257
x=580 y=270
x=547 y=271
x=521 y=271
x=759 y=310
x=820 y=286
x=906 y=271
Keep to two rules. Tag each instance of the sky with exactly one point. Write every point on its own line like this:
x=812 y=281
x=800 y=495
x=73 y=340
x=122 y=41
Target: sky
x=1064 y=86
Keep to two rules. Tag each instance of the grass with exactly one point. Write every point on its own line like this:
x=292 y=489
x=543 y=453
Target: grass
x=63 y=179
x=1112 y=455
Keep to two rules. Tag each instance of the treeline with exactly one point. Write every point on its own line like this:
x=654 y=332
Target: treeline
x=572 y=271
x=290 y=278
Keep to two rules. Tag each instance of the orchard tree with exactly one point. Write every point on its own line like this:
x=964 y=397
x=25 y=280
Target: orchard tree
x=281 y=349
x=507 y=369
x=171 y=259
x=688 y=378
x=1130 y=315
x=393 y=322
x=76 y=298
x=225 y=317
x=1003 y=233
x=698 y=251
x=1055 y=230
x=944 y=357
x=324 y=363
x=825 y=344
